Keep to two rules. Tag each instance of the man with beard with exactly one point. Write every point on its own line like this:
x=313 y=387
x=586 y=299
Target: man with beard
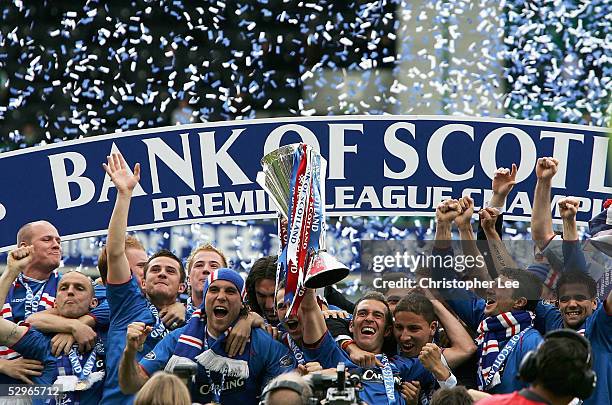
x=577 y=305
x=504 y=321
x=200 y=344
x=81 y=375
x=372 y=321
x=163 y=280
x=260 y=285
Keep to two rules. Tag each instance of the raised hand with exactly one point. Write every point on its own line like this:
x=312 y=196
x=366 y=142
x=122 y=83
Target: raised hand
x=504 y=180
x=546 y=168
x=137 y=333
x=447 y=211
x=488 y=218
x=120 y=174
x=431 y=358
x=18 y=259
x=568 y=207
x=467 y=210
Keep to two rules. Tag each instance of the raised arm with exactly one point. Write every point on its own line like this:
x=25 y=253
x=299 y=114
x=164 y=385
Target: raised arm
x=503 y=182
x=125 y=182
x=541 y=217
x=462 y=346
x=446 y=212
x=476 y=267
x=499 y=254
x=131 y=375
x=17 y=261
x=312 y=318
x=573 y=256
x=568 y=208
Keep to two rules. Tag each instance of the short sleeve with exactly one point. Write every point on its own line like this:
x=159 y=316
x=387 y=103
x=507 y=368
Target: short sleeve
x=599 y=327
x=124 y=301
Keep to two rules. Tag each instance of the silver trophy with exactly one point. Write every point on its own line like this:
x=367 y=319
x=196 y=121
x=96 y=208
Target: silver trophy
x=321 y=268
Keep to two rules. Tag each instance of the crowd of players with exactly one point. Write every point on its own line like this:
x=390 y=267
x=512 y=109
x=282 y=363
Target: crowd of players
x=103 y=341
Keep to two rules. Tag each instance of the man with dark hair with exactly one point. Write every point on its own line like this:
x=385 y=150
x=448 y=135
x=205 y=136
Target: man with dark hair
x=504 y=321
x=558 y=371
x=163 y=280
x=260 y=286
x=452 y=396
x=415 y=326
x=372 y=321
x=578 y=309
x=200 y=344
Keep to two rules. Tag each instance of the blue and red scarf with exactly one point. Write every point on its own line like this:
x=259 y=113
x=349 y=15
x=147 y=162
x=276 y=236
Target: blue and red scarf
x=193 y=344
x=42 y=300
x=493 y=330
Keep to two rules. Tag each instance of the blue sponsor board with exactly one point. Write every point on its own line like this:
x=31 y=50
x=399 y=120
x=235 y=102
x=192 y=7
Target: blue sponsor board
x=377 y=165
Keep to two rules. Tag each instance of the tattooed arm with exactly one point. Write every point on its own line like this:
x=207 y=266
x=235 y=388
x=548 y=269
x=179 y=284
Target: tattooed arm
x=17 y=260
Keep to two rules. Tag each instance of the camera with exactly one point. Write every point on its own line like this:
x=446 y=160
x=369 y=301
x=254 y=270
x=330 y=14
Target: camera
x=185 y=372
x=335 y=389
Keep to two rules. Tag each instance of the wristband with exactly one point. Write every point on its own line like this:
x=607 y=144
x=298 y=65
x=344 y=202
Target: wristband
x=347 y=343
x=450 y=382
x=499 y=209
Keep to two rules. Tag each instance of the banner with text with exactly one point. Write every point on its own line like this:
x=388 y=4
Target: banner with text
x=377 y=165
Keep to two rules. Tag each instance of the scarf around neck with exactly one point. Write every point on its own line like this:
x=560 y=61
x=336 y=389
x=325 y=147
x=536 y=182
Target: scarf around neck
x=493 y=332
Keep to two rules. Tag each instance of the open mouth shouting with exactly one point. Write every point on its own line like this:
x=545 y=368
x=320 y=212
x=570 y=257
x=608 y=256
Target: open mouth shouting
x=220 y=312
x=368 y=331
x=292 y=325
x=490 y=302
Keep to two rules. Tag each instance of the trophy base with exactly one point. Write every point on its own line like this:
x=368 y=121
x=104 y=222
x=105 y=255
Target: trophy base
x=324 y=270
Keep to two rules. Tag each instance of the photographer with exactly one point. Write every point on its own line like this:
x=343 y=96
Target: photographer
x=289 y=388
x=559 y=371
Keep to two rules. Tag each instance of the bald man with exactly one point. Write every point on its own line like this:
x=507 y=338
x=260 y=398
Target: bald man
x=80 y=374
x=33 y=292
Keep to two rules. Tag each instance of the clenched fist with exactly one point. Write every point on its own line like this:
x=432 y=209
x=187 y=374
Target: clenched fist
x=568 y=207
x=137 y=333
x=448 y=210
x=431 y=358
x=546 y=168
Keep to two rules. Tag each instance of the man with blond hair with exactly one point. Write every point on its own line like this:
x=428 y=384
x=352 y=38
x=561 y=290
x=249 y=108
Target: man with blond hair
x=203 y=260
